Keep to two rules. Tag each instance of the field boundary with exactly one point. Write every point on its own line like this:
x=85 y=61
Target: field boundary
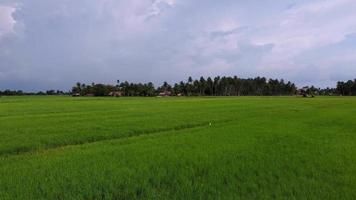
x=95 y=139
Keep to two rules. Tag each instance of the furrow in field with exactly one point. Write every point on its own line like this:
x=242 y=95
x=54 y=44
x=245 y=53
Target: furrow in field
x=100 y=138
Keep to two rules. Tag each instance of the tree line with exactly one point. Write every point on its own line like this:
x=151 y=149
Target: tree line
x=21 y=93
x=217 y=86
x=347 y=88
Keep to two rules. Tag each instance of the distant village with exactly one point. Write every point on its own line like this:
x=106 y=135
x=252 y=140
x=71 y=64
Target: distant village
x=217 y=86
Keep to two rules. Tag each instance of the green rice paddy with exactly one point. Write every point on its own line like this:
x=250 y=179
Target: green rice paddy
x=178 y=148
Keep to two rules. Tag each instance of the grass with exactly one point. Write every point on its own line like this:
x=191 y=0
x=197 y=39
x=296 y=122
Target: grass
x=165 y=148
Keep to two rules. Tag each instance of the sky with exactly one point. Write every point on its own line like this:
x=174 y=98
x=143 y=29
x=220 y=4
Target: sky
x=53 y=44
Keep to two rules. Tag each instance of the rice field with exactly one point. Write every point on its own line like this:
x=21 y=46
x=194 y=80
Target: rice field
x=178 y=148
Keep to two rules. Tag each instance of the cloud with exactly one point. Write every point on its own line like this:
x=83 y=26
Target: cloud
x=60 y=42
x=158 y=6
x=307 y=26
x=7 y=22
x=315 y=25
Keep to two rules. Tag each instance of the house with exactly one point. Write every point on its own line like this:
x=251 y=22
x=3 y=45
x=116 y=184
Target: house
x=115 y=94
x=305 y=92
x=165 y=94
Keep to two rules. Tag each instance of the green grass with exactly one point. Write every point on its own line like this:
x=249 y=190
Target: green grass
x=164 y=148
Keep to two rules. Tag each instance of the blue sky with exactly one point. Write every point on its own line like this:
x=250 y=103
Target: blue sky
x=55 y=43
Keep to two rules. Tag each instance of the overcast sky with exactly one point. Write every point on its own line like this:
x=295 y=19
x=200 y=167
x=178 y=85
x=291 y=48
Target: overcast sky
x=52 y=44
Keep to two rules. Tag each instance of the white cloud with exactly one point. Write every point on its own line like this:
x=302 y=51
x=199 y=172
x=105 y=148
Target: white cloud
x=157 y=8
x=321 y=6
x=309 y=26
x=155 y=40
x=7 y=22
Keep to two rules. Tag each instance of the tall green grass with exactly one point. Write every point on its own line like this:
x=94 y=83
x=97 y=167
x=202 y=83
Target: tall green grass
x=166 y=148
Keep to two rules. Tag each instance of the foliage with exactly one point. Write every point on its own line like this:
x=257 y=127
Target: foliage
x=219 y=86
x=346 y=88
x=21 y=93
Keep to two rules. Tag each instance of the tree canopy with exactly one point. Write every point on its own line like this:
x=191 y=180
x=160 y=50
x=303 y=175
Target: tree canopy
x=217 y=86
x=210 y=86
